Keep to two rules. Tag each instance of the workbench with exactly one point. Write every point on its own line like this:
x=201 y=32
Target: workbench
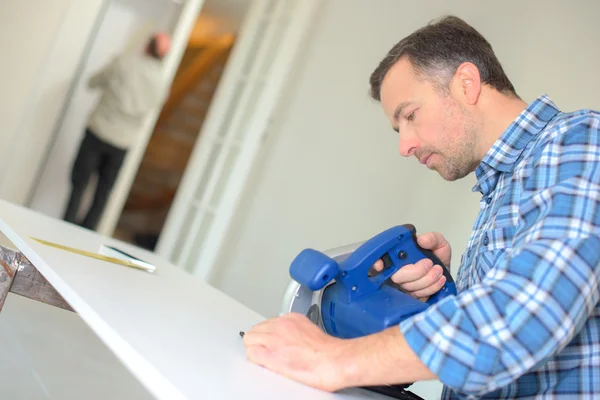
x=176 y=334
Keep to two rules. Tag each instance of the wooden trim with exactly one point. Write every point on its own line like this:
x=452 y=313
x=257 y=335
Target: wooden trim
x=197 y=68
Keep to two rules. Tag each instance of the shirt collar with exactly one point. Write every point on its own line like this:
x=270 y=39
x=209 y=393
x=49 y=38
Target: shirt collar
x=508 y=148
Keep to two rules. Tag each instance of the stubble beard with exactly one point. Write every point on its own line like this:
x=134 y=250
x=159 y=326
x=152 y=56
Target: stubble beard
x=458 y=157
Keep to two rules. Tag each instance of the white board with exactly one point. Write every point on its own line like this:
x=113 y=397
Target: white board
x=176 y=334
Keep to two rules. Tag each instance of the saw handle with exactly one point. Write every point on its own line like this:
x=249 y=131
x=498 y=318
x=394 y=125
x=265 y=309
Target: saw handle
x=314 y=269
x=429 y=254
x=396 y=246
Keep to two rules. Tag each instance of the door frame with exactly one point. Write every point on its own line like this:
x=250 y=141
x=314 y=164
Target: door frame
x=235 y=127
x=179 y=38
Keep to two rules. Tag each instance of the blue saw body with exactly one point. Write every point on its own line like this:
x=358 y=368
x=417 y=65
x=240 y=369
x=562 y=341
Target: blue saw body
x=357 y=303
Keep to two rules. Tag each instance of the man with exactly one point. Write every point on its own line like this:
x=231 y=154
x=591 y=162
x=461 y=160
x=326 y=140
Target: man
x=526 y=320
x=131 y=85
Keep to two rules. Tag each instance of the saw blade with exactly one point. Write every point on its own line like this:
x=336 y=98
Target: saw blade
x=300 y=299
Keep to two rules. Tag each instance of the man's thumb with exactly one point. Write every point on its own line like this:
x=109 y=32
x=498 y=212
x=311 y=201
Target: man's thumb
x=428 y=241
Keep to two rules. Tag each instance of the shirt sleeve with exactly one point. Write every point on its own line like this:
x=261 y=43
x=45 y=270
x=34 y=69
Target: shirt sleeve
x=532 y=303
x=101 y=78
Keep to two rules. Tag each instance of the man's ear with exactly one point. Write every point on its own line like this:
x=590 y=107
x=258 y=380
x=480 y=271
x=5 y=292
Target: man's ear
x=468 y=82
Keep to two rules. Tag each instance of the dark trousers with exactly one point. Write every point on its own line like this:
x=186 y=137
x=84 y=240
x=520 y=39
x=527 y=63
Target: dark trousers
x=94 y=157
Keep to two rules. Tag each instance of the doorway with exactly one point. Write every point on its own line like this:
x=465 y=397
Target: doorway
x=123 y=27
x=179 y=124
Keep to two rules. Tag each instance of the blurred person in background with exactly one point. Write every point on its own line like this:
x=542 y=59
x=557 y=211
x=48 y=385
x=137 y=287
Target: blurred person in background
x=132 y=85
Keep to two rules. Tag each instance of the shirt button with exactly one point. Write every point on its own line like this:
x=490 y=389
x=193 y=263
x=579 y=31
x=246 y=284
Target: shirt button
x=488 y=200
x=486 y=240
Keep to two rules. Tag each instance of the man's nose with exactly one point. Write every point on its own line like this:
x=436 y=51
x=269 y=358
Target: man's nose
x=407 y=146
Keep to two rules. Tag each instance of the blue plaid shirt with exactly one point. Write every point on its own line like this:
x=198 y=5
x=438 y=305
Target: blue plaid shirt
x=526 y=321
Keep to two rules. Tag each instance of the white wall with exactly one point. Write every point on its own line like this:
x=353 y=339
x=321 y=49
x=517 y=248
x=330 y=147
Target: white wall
x=126 y=23
x=330 y=173
x=43 y=44
x=14 y=18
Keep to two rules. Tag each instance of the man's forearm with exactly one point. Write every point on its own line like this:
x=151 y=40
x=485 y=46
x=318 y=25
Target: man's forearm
x=382 y=358
x=293 y=346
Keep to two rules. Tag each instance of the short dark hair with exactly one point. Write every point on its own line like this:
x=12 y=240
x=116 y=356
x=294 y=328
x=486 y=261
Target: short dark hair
x=442 y=46
x=153 y=48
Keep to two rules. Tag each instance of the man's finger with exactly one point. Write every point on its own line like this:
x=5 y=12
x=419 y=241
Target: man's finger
x=437 y=243
x=432 y=276
x=258 y=354
x=431 y=240
x=431 y=290
x=256 y=337
x=263 y=326
x=413 y=272
x=378 y=266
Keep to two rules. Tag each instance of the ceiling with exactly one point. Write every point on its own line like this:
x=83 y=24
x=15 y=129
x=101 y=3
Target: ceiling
x=229 y=13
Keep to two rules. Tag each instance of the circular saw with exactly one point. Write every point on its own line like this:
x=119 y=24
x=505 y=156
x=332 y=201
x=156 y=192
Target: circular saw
x=341 y=292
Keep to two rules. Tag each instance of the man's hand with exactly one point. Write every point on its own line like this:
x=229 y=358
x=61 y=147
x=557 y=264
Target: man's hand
x=423 y=279
x=293 y=346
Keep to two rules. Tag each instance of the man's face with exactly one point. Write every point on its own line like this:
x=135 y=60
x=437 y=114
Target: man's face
x=433 y=126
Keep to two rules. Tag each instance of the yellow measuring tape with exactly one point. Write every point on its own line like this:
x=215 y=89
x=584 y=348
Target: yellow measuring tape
x=94 y=255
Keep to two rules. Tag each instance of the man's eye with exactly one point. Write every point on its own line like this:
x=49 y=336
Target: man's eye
x=411 y=116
